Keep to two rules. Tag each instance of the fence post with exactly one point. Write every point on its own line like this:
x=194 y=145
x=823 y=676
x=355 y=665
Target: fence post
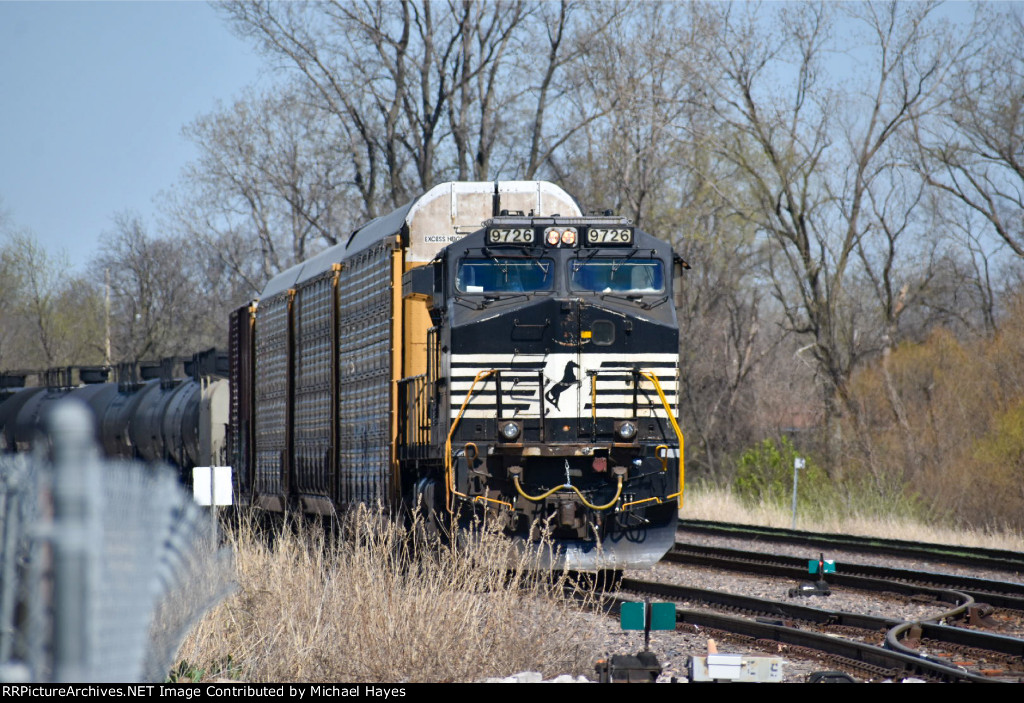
x=77 y=502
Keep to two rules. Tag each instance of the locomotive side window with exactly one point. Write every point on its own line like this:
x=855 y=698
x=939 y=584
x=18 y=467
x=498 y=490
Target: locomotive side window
x=504 y=275
x=602 y=332
x=617 y=275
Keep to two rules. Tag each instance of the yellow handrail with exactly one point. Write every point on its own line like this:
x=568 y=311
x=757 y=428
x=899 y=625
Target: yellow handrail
x=593 y=397
x=664 y=459
x=675 y=426
x=449 y=476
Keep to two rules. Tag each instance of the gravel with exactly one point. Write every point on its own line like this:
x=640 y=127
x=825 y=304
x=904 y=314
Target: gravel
x=673 y=649
x=841 y=557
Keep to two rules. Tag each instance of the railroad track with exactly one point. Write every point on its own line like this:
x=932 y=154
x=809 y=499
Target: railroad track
x=782 y=624
x=870 y=645
x=978 y=557
x=999 y=594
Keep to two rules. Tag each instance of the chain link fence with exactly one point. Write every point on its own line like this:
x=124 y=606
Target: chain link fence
x=104 y=565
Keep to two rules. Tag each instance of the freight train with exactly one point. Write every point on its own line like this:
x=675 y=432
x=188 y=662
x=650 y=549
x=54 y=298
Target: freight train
x=173 y=410
x=486 y=351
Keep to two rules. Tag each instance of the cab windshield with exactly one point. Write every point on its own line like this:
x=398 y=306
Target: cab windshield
x=504 y=275
x=617 y=275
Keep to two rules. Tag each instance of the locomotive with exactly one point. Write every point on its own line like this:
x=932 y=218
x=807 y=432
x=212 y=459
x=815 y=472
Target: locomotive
x=484 y=352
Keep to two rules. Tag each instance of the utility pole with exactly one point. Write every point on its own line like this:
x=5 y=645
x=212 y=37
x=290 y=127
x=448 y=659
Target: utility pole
x=798 y=463
x=106 y=308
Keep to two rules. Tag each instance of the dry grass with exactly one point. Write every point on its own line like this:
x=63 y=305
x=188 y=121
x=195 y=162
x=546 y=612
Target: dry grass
x=723 y=506
x=365 y=608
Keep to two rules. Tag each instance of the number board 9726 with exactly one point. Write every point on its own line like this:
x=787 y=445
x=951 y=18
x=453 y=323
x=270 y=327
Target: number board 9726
x=609 y=235
x=510 y=235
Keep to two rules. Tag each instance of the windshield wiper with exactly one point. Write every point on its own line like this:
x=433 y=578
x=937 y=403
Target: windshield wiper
x=628 y=298
x=468 y=302
x=618 y=262
x=503 y=297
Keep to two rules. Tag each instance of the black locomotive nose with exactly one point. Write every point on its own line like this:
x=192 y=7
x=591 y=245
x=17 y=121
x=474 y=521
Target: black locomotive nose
x=569 y=323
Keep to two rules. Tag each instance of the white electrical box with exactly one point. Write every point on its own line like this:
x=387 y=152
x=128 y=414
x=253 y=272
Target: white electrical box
x=736 y=667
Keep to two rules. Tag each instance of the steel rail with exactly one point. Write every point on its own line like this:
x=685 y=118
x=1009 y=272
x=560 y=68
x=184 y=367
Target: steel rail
x=1002 y=644
x=849 y=649
x=980 y=557
x=1000 y=594
x=859 y=653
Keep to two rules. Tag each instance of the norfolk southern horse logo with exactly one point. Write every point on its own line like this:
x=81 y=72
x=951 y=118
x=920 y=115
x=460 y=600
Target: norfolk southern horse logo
x=568 y=380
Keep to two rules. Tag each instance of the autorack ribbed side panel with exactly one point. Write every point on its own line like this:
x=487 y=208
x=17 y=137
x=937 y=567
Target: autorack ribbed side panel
x=271 y=391
x=313 y=317
x=239 y=430
x=365 y=375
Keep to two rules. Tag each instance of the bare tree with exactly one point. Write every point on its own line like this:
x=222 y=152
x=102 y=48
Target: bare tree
x=722 y=343
x=812 y=164
x=481 y=105
x=157 y=307
x=964 y=276
x=975 y=152
x=268 y=178
x=8 y=293
x=430 y=90
x=53 y=316
x=637 y=77
x=388 y=72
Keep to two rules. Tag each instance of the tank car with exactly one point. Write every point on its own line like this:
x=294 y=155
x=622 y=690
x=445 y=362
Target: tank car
x=174 y=411
x=484 y=351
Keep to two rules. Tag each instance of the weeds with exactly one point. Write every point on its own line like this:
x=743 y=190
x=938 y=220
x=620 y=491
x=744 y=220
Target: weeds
x=185 y=673
x=382 y=602
x=764 y=476
x=857 y=516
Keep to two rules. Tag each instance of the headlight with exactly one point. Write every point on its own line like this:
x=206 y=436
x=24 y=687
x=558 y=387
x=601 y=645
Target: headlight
x=510 y=430
x=556 y=236
x=626 y=430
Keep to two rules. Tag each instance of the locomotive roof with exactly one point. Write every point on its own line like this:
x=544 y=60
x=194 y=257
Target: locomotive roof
x=544 y=195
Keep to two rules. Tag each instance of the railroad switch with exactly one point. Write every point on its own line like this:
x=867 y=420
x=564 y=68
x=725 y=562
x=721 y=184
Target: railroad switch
x=980 y=615
x=912 y=639
x=820 y=566
x=810 y=588
x=643 y=667
x=830 y=677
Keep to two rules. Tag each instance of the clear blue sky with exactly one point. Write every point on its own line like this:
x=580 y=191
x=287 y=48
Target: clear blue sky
x=93 y=96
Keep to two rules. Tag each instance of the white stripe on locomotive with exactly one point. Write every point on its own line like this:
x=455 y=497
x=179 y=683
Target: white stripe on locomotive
x=566 y=384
